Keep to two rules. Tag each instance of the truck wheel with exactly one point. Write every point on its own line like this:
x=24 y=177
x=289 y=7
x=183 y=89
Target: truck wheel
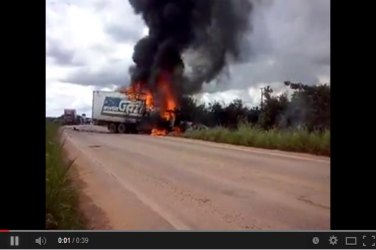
x=121 y=128
x=112 y=128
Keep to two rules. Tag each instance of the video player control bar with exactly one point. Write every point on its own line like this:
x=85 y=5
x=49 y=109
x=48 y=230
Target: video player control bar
x=187 y=240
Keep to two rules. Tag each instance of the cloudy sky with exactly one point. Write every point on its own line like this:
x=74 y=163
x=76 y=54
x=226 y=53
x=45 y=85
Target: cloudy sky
x=89 y=46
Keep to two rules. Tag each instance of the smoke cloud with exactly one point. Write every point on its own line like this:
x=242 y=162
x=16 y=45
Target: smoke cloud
x=209 y=33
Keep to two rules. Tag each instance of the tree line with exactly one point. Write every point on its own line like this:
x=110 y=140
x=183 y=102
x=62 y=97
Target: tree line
x=308 y=107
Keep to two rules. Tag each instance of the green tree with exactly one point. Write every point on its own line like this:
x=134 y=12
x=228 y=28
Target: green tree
x=310 y=106
x=273 y=108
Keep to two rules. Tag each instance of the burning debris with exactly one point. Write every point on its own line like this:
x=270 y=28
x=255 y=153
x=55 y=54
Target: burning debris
x=213 y=27
x=158 y=132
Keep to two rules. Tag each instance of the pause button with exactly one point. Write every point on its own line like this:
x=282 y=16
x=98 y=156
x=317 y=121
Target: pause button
x=14 y=241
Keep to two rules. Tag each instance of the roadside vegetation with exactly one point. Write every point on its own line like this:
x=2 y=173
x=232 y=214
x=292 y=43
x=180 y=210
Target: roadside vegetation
x=246 y=135
x=297 y=122
x=61 y=197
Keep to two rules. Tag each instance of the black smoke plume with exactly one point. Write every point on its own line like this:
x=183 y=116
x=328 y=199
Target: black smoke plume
x=214 y=30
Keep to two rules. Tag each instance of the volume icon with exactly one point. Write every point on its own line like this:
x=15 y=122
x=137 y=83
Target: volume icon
x=41 y=241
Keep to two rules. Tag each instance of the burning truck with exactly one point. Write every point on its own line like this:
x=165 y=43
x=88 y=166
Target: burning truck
x=136 y=110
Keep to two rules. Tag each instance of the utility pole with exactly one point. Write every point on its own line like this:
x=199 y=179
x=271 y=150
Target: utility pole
x=262 y=97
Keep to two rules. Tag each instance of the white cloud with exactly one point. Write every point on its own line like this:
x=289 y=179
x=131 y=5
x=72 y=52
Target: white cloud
x=74 y=26
x=80 y=47
x=324 y=79
x=224 y=97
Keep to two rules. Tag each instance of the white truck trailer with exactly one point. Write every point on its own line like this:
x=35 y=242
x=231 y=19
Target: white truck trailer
x=120 y=114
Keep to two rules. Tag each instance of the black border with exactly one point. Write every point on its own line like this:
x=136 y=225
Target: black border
x=23 y=196
x=352 y=193
x=23 y=164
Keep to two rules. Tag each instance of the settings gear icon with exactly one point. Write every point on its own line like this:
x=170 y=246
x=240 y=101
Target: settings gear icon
x=333 y=240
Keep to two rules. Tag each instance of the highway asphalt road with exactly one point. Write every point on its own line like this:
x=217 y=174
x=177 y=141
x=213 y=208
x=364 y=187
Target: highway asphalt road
x=142 y=182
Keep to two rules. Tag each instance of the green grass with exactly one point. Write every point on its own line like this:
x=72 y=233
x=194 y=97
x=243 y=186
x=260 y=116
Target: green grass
x=246 y=135
x=61 y=198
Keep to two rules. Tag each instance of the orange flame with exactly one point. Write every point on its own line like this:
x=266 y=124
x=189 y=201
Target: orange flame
x=158 y=132
x=139 y=91
x=168 y=102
